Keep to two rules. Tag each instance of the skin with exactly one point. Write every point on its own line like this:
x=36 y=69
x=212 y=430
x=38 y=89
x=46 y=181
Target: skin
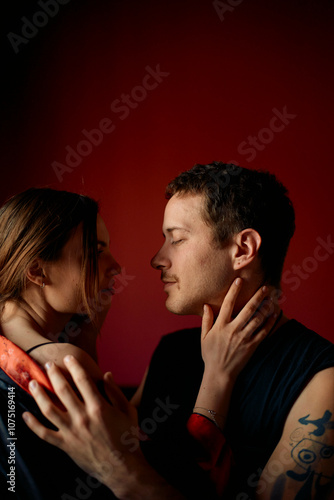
x=197 y=270
x=43 y=312
x=185 y=259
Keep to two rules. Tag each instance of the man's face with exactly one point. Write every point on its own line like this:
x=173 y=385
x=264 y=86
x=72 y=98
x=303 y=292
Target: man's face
x=195 y=269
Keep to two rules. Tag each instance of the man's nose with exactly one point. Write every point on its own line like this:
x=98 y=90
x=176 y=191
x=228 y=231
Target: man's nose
x=160 y=260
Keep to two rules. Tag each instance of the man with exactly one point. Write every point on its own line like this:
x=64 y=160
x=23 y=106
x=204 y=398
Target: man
x=221 y=222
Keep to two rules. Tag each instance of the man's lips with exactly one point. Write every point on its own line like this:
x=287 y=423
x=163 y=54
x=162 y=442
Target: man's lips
x=168 y=284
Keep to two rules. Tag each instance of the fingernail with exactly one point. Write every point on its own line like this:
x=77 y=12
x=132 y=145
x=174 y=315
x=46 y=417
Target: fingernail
x=48 y=365
x=237 y=281
x=25 y=417
x=68 y=358
x=264 y=289
x=32 y=385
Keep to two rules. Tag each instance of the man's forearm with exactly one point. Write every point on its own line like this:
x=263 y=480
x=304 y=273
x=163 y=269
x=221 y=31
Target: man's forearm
x=141 y=482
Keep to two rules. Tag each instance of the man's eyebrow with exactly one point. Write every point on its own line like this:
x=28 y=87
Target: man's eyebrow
x=175 y=228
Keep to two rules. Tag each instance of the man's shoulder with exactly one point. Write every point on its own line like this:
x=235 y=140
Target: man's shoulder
x=299 y=340
x=293 y=353
x=270 y=384
x=289 y=359
x=297 y=326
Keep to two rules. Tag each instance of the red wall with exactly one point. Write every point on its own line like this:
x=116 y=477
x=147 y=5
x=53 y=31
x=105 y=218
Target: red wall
x=224 y=76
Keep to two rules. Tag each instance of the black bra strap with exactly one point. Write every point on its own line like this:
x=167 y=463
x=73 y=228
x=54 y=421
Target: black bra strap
x=39 y=345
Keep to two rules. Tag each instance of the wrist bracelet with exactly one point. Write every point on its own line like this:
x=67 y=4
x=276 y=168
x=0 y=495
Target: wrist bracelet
x=213 y=414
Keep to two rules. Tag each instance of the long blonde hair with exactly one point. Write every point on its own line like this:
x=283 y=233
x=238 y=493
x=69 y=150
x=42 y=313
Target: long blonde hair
x=37 y=224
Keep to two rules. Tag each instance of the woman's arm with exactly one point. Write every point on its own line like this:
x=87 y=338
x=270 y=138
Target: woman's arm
x=227 y=346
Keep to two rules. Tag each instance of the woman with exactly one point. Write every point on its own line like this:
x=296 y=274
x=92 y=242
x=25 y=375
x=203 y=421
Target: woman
x=55 y=265
x=56 y=284
x=55 y=262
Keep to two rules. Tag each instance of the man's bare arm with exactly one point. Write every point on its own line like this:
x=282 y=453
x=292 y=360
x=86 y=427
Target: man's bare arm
x=302 y=465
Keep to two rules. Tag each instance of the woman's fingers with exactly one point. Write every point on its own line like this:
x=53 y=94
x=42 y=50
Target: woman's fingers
x=263 y=320
x=52 y=437
x=226 y=310
x=252 y=307
x=267 y=314
x=267 y=327
x=207 y=321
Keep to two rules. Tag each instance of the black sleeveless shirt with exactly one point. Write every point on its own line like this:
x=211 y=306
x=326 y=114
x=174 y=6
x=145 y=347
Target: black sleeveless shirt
x=262 y=398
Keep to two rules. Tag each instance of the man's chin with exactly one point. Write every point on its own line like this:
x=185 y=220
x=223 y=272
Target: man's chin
x=183 y=309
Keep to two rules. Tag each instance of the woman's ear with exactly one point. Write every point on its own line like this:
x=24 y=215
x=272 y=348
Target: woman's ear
x=246 y=247
x=35 y=273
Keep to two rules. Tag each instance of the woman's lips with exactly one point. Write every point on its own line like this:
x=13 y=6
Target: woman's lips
x=111 y=291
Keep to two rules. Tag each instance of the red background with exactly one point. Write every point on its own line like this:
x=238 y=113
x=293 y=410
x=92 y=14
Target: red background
x=227 y=71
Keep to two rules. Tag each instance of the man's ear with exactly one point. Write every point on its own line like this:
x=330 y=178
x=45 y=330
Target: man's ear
x=35 y=273
x=246 y=247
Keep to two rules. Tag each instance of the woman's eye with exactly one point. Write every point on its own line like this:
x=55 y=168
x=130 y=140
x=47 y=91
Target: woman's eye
x=176 y=242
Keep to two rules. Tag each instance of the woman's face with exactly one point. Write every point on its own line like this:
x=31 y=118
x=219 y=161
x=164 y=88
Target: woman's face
x=63 y=277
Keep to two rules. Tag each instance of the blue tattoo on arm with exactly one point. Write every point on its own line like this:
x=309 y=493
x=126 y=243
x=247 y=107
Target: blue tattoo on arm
x=308 y=454
x=322 y=423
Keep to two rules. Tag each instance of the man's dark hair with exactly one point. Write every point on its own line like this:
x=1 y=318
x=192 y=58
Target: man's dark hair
x=238 y=198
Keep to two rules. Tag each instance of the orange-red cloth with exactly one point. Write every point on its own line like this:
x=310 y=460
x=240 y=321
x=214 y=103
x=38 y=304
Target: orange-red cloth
x=212 y=452
x=20 y=367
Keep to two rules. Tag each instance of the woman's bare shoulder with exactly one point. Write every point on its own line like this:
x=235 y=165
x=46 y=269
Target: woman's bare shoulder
x=21 y=332
x=55 y=352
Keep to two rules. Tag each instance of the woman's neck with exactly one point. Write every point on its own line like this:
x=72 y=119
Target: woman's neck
x=25 y=326
x=46 y=319
x=20 y=319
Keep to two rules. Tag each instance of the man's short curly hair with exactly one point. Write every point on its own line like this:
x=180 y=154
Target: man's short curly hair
x=237 y=198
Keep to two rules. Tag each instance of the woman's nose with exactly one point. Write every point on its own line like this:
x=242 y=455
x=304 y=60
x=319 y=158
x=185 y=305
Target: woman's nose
x=114 y=267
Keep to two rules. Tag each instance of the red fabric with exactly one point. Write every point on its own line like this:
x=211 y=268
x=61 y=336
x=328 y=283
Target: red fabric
x=20 y=367
x=213 y=453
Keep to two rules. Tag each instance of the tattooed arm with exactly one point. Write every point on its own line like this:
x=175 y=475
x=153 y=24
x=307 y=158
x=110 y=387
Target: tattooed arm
x=302 y=465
